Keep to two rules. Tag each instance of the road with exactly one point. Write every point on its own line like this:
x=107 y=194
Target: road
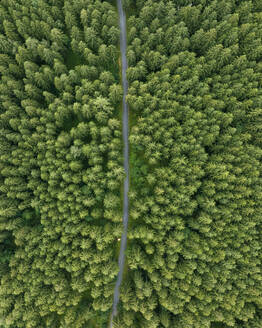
x=121 y=258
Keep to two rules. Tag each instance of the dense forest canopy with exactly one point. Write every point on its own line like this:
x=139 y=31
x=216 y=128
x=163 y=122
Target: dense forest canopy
x=61 y=162
x=195 y=99
x=194 y=249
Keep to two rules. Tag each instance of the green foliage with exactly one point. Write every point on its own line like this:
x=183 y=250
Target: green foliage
x=72 y=60
x=194 y=232
x=138 y=169
x=194 y=240
x=60 y=158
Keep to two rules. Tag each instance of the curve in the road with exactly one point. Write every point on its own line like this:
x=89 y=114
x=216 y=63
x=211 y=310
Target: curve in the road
x=121 y=259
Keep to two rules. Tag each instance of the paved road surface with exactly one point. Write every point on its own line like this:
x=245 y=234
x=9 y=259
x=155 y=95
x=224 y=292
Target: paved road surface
x=121 y=259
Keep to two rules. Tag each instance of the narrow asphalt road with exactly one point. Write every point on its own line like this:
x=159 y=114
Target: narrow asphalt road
x=121 y=258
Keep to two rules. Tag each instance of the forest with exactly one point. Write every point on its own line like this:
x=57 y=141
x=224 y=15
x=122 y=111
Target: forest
x=194 y=250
